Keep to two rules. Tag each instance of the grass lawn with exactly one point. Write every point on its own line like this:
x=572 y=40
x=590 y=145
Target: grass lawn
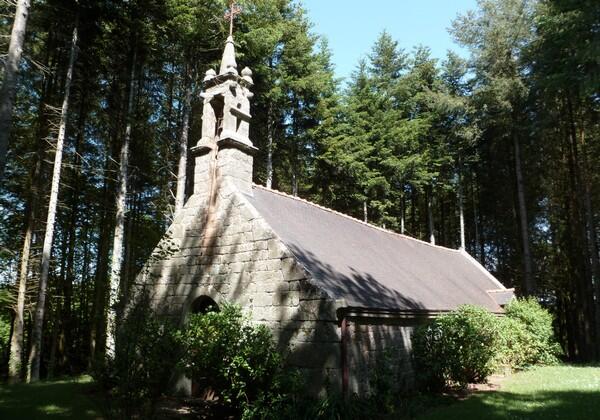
x=557 y=392
x=68 y=398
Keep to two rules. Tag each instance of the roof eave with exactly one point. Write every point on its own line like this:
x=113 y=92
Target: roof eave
x=396 y=314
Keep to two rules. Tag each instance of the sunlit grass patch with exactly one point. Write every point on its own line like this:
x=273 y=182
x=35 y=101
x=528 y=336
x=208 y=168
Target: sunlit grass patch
x=559 y=392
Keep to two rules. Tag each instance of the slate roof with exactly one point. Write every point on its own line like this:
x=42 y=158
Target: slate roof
x=372 y=268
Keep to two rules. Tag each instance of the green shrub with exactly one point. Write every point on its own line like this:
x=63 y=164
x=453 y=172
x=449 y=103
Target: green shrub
x=541 y=345
x=4 y=331
x=237 y=360
x=385 y=382
x=515 y=344
x=459 y=347
x=429 y=356
x=5 y=327
x=332 y=406
x=467 y=344
x=143 y=362
x=5 y=322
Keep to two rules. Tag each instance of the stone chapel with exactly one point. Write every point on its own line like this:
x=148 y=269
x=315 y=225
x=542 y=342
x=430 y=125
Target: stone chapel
x=335 y=291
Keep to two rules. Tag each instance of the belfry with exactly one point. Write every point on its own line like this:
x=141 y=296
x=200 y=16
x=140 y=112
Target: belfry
x=225 y=140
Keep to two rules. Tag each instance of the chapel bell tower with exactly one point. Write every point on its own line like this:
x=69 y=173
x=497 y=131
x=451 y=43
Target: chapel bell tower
x=226 y=118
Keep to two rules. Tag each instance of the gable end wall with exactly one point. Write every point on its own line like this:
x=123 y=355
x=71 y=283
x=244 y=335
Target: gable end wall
x=228 y=252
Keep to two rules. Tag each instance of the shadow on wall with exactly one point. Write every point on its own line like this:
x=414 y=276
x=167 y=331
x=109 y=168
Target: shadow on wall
x=210 y=251
x=191 y=267
x=372 y=340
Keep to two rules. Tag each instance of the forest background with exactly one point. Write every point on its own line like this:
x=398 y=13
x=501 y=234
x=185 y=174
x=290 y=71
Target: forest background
x=498 y=153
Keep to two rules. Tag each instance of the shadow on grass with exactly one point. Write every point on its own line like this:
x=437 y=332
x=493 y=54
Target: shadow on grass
x=70 y=398
x=538 y=405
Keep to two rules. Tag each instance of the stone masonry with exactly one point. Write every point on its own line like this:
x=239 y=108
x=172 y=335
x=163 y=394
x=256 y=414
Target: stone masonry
x=219 y=246
x=383 y=343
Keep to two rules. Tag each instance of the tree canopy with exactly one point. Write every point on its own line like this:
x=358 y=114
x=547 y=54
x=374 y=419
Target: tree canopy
x=501 y=148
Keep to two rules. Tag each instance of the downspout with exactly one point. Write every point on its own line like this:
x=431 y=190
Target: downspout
x=344 y=355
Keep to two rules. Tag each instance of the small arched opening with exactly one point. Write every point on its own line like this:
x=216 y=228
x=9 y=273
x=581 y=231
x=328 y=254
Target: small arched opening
x=217 y=104
x=203 y=305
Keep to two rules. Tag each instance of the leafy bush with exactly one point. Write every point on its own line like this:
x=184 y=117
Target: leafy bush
x=458 y=347
x=225 y=353
x=5 y=322
x=4 y=332
x=5 y=326
x=466 y=345
x=429 y=356
x=540 y=344
x=145 y=357
x=384 y=381
x=331 y=406
x=515 y=344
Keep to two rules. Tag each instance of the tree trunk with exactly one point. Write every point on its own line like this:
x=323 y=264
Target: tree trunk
x=11 y=69
x=183 y=144
x=53 y=342
x=121 y=207
x=269 y=182
x=528 y=280
x=365 y=212
x=67 y=330
x=584 y=289
x=84 y=295
x=477 y=252
x=36 y=180
x=413 y=214
x=16 y=342
x=97 y=338
x=430 y=217
x=294 y=184
x=128 y=262
x=478 y=221
x=442 y=239
x=402 y=211
x=461 y=211
x=592 y=237
x=33 y=373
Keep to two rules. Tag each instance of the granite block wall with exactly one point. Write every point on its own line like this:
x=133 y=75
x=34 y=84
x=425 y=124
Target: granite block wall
x=383 y=341
x=219 y=246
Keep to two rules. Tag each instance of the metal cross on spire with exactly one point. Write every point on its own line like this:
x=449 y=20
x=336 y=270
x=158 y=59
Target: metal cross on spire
x=230 y=15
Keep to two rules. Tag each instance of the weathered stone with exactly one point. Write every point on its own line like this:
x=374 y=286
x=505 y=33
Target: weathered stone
x=312 y=355
x=236 y=267
x=369 y=342
x=289 y=298
x=261 y=230
x=293 y=271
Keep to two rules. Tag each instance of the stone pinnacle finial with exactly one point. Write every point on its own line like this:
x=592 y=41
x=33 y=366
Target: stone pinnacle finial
x=228 y=64
x=210 y=74
x=247 y=75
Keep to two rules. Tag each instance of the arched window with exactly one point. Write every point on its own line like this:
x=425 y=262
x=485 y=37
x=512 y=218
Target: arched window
x=204 y=304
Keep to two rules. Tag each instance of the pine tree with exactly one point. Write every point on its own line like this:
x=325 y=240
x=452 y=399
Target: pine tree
x=33 y=371
x=564 y=83
x=496 y=36
x=9 y=83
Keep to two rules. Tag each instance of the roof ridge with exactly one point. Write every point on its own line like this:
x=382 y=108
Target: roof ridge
x=284 y=194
